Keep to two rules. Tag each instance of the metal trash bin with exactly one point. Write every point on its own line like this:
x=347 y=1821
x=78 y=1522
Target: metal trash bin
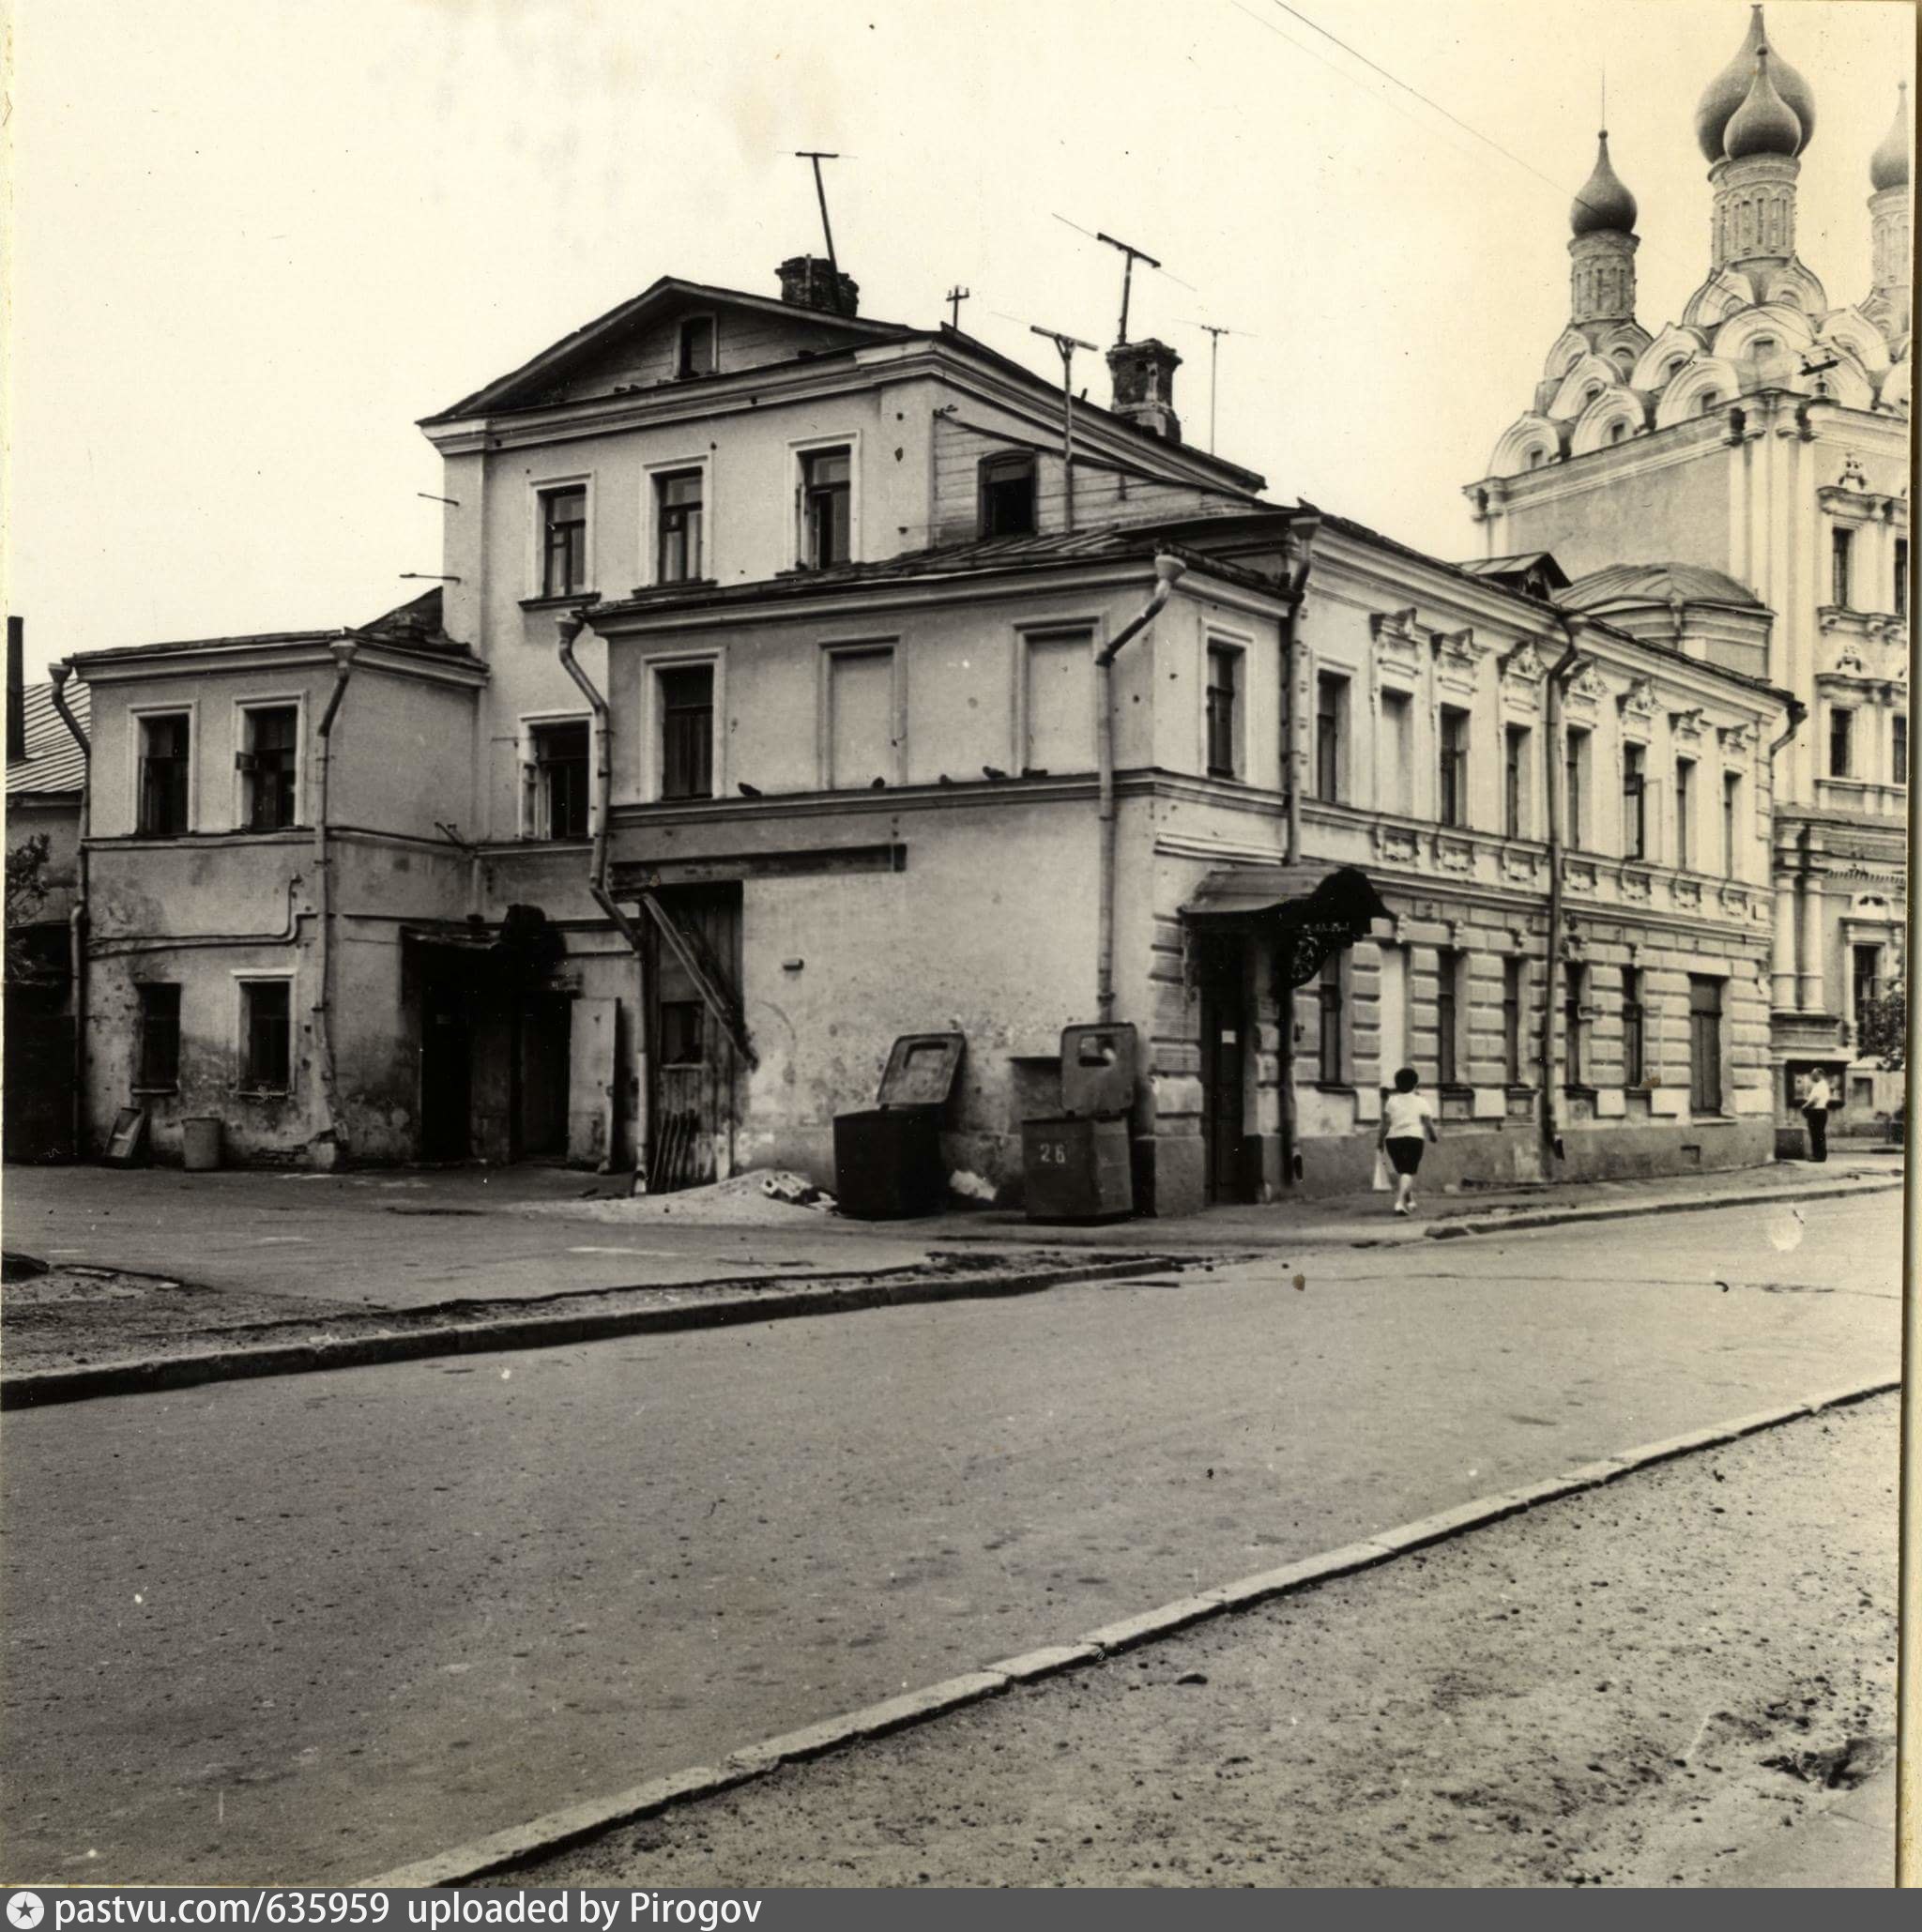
x=888 y=1164
x=1077 y=1165
x=199 y=1145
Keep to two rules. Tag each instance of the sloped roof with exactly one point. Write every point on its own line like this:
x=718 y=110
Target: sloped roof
x=540 y=372
x=1518 y=566
x=980 y=558
x=414 y=626
x=53 y=761
x=1625 y=584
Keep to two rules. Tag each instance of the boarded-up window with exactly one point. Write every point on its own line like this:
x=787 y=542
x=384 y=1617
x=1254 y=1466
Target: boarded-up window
x=1060 y=702
x=861 y=718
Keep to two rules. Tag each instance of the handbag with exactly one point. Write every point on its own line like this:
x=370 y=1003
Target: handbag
x=1385 y=1177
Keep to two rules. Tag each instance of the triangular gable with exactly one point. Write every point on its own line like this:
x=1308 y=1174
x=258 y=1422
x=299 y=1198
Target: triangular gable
x=636 y=345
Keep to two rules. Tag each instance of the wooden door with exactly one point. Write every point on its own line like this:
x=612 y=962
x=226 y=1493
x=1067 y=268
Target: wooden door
x=1224 y=1072
x=541 y=1054
x=691 y=1061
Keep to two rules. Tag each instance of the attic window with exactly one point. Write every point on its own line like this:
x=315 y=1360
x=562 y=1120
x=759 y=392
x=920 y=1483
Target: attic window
x=1007 y=494
x=696 y=355
x=1710 y=402
x=1537 y=457
x=1617 y=431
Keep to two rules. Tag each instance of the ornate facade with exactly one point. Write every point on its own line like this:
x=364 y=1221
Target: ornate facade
x=1763 y=436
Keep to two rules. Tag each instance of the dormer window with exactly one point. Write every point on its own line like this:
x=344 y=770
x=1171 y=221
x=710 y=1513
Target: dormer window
x=1709 y=404
x=1537 y=457
x=1617 y=432
x=695 y=352
x=1007 y=494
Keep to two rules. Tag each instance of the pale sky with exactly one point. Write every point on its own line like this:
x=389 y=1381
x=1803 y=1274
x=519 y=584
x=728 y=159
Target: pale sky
x=256 y=239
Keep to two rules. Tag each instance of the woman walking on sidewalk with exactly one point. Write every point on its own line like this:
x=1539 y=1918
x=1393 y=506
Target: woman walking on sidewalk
x=1408 y=1122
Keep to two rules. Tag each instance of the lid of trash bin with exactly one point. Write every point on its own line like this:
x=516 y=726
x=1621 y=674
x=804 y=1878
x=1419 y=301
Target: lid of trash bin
x=920 y=1070
x=1097 y=1069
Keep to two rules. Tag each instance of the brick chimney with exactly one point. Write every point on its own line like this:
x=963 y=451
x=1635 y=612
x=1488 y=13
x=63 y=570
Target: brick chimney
x=809 y=283
x=1144 y=378
x=16 y=689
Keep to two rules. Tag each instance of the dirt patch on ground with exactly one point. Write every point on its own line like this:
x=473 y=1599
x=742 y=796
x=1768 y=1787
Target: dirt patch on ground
x=1629 y=1687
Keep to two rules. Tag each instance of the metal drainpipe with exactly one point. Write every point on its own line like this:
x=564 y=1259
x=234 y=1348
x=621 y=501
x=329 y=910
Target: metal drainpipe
x=1551 y=1141
x=1285 y=992
x=77 y=919
x=570 y=628
x=343 y=647
x=1168 y=571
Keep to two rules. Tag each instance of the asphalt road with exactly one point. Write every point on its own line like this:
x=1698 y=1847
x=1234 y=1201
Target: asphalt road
x=1685 y=1679
x=309 y=1628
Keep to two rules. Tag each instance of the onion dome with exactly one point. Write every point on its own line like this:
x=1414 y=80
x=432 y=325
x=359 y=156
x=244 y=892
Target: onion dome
x=1888 y=166
x=1764 y=123
x=1604 y=204
x=1729 y=89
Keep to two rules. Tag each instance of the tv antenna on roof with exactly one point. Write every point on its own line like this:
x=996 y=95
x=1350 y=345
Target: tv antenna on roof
x=1130 y=254
x=816 y=156
x=1215 y=332
x=1067 y=344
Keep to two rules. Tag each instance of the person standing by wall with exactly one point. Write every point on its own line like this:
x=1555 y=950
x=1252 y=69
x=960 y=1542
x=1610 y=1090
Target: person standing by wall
x=1408 y=1123
x=1815 y=1105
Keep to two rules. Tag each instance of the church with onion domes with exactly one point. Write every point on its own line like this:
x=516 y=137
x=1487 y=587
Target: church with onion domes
x=1754 y=451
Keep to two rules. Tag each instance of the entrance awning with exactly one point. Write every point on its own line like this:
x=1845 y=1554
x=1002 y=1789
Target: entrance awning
x=1310 y=910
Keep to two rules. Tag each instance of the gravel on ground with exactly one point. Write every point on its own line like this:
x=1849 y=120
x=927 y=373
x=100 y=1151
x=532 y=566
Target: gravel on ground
x=1634 y=1686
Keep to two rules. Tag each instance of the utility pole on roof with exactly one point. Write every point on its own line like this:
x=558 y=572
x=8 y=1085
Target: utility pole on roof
x=1130 y=255
x=954 y=298
x=816 y=156
x=1067 y=344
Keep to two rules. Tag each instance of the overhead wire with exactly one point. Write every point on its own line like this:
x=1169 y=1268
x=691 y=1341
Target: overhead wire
x=1548 y=180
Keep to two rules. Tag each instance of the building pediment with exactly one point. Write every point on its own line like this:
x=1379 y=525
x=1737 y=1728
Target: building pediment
x=639 y=345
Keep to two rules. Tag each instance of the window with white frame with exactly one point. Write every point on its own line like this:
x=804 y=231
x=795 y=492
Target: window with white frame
x=166 y=746
x=1222 y=713
x=268 y=764
x=557 y=779
x=680 y=514
x=1057 y=701
x=827 y=506
x=685 y=738
x=561 y=529
x=267 y=1035
x=861 y=735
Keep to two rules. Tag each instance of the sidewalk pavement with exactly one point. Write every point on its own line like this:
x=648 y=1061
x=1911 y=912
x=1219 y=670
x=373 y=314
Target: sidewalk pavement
x=160 y=1278
x=412 y=1238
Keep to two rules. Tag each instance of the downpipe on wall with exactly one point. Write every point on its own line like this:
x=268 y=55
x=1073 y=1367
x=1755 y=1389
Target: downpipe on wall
x=1303 y=531
x=1168 y=571
x=331 y=1143
x=1551 y=1137
x=570 y=628
x=77 y=919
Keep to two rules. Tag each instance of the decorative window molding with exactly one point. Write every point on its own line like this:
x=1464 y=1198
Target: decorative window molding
x=1459 y=658
x=1585 y=691
x=1737 y=740
x=1637 y=706
x=1397 y=645
x=1688 y=728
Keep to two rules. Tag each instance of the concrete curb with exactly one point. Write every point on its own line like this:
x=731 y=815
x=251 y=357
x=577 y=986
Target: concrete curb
x=38 y=1388
x=142 y=1376
x=1550 y=1217
x=543 y=1837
